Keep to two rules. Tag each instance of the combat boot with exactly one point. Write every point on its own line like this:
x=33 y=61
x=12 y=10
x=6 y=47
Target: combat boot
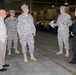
x=25 y=58
x=67 y=53
x=9 y=51
x=16 y=51
x=60 y=52
x=32 y=57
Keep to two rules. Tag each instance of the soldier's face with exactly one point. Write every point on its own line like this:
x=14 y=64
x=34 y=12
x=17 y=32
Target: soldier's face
x=12 y=14
x=75 y=12
x=62 y=11
x=25 y=10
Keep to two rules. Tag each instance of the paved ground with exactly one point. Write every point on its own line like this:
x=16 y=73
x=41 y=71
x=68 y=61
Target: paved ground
x=48 y=62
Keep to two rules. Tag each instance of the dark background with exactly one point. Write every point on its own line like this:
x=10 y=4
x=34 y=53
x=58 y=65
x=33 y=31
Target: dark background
x=36 y=4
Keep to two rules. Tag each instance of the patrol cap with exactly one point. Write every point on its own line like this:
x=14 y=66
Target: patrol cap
x=11 y=11
x=24 y=6
x=63 y=7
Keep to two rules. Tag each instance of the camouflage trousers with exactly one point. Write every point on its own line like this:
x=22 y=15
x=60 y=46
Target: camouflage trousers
x=27 y=40
x=63 y=40
x=13 y=39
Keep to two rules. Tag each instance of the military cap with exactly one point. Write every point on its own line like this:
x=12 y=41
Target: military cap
x=23 y=6
x=11 y=11
x=62 y=7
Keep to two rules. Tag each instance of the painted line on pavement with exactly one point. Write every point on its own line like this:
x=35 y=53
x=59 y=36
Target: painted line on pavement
x=57 y=63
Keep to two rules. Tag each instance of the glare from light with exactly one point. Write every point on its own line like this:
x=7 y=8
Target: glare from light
x=35 y=13
x=66 y=3
x=53 y=6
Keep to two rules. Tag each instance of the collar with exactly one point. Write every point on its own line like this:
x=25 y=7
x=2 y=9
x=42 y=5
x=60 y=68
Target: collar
x=25 y=14
x=1 y=18
x=63 y=14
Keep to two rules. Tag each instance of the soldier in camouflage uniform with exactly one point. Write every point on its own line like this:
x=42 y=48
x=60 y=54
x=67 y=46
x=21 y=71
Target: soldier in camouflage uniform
x=11 y=24
x=26 y=31
x=63 y=23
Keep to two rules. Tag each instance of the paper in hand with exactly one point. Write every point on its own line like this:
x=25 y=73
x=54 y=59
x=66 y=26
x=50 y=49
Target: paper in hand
x=51 y=24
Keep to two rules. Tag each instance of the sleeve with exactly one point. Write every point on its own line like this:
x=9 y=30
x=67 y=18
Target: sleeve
x=74 y=28
x=19 y=26
x=0 y=26
x=71 y=28
x=69 y=21
x=3 y=29
x=56 y=24
x=33 y=27
x=6 y=21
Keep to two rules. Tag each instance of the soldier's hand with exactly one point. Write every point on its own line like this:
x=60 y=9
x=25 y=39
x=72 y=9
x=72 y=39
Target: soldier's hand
x=64 y=23
x=51 y=24
x=72 y=34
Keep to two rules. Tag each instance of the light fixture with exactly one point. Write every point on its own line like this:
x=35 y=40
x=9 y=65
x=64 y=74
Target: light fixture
x=53 y=6
x=35 y=13
x=66 y=3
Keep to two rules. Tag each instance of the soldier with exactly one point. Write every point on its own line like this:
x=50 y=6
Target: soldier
x=63 y=23
x=11 y=24
x=26 y=31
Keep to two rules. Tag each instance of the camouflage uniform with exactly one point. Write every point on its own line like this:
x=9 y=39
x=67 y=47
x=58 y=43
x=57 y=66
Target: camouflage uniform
x=63 y=30
x=26 y=29
x=11 y=25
